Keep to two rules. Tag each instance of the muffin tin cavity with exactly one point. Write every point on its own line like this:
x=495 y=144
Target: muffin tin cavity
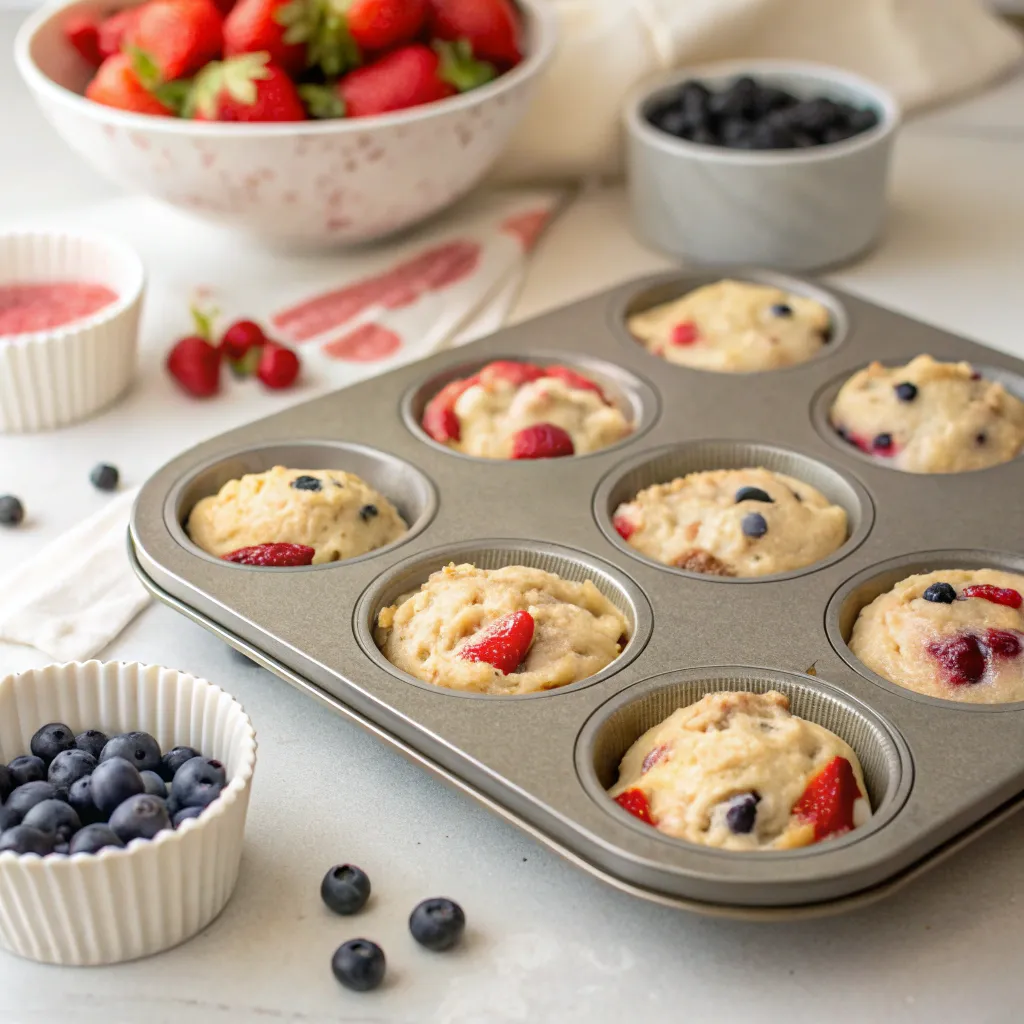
x=634 y=397
x=822 y=402
x=617 y=724
x=409 y=490
x=406 y=578
x=860 y=590
x=675 y=287
x=665 y=464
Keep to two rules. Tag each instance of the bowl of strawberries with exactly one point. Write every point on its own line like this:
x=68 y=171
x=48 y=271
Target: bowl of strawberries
x=309 y=122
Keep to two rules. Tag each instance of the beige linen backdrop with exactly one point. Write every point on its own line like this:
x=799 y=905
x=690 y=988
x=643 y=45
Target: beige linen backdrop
x=925 y=51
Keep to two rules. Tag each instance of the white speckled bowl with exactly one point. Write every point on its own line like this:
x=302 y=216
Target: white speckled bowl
x=313 y=183
x=121 y=904
x=792 y=209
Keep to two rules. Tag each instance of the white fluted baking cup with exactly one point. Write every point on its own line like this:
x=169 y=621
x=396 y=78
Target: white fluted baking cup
x=121 y=904
x=52 y=378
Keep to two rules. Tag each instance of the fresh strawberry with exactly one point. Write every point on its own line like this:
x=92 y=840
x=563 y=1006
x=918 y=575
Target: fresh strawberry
x=195 y=365
x=827 y=802
x=491 y=27
x=384 y=24
x=272 y=555
x=245 y=88
x=407 y=77
x=241 y=336
x=997 y=595
x=113 y=30
x=635 y=801
x=83 y=33
x=439 y=418
x=178 y=36
x=278 y=366
x=504 y=644
x=685 y=333
x=575 y=380
x=278 y=27
x=516 y=374
x=623 y=526
x=542 y=441
x=117 y=84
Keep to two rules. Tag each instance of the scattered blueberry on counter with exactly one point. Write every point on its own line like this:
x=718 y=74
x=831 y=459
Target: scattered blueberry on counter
x=437 y=924
x=345 y=889
x=84 y=793
x=748 y=114
x=105 y=477
x=359 y=965
x=12 y=512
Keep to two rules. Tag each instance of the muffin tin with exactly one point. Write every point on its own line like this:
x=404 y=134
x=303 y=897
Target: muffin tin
x=938 y=772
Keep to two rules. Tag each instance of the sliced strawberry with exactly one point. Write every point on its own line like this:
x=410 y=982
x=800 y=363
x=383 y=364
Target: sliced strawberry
x=961 y=657
x=117 y=84
x=1003 y=643
x=542 y=441
x=280 y=28
x=178 y=36
x=997 y=595
x=624 y=527
x=83 y=33
x=575 y=380
x=272 y=555
x=827 y=802
x=490 y=27
x=245 y=88
x=635 y=802
x=504 y=644
x=685 y=333
x=385 y=24
x=516 y=374
x=439 y=418
x=653 y=757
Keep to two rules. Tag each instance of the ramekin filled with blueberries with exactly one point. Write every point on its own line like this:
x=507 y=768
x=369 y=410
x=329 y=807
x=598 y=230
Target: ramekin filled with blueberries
x=769 y=162
x=113 y=775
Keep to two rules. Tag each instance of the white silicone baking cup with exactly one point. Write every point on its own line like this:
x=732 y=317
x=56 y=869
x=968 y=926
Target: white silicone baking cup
x=52 y=378
x=121 y=904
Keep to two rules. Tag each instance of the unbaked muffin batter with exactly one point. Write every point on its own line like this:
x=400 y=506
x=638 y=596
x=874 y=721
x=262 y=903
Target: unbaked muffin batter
x=432 y=634
x=930 y=417
x=955 y=633
x=733 y=522
x=333 y=512
x=735 y=327
x=737 y=771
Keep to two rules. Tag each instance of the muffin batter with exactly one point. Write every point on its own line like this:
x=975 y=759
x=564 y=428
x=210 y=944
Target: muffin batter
x=334 y=512
x=733 y=522
x=495 y=413
x=735 y=327
x=737 y=771
x=463 y=630
x=930 y=417
x=954 y=633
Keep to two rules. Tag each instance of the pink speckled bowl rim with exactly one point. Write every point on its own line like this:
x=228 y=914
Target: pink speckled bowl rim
x=541 y=30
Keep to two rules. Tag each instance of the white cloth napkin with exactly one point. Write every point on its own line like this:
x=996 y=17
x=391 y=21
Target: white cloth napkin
x=445 y=285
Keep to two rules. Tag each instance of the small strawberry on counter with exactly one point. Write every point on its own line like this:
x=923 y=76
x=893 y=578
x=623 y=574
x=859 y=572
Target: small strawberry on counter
x=194 y=362
x=245 y=88
x=278 y=367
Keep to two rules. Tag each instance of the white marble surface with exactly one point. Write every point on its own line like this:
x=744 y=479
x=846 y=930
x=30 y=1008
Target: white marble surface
x=546 y=943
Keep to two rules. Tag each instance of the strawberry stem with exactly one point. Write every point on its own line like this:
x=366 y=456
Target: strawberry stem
x=204 y=321
x=460 y=69
x=322 y=101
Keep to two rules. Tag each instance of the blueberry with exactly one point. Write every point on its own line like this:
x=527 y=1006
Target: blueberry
x=693 y=97
x=68 y=767
x=734 y=130
x=12 y=512
x=6 y=783
x=803 y=140
x=94 y=838
x=838 y=133
x=675 y=122
x=981 y=438
x=184 y=814
x=882 y=442
x=862 y=120
x=8 y=818
x=770 y=99
x=771 y=136
x=174 y=759
x=80 y=798
x=140 y=817
x=754 y=525
x=753 y=494
x=782 y=309
x=113 y=782
x=367 y=512
x=306 y=483
x=906 y=392
x=92 y=741
x=704 y=137
x=25 y=797
x=345 y=889
x=940 y=593
x=24 y=839
x=199 y=782
x=742 y=812
x=437 y=923
x=359 y=965
x=817 y=115
x=138 y=748
x=174 y=806
x=155 y=786
x=63 y=848
x=740 y=99
x=53 y=816
x=27 y=768
x=49 y=741
x=105 y=477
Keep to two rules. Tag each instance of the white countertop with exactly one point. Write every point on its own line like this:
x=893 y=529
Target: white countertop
x=546 y=942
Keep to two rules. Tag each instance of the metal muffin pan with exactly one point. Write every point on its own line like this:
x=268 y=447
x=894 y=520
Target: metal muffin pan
x=938 y=773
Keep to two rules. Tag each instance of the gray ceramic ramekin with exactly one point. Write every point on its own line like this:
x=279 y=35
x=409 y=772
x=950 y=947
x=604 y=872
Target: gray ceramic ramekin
x=793 y=209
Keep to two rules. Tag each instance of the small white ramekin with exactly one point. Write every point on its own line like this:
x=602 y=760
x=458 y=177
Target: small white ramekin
x=52 y=378
x=121 y=904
